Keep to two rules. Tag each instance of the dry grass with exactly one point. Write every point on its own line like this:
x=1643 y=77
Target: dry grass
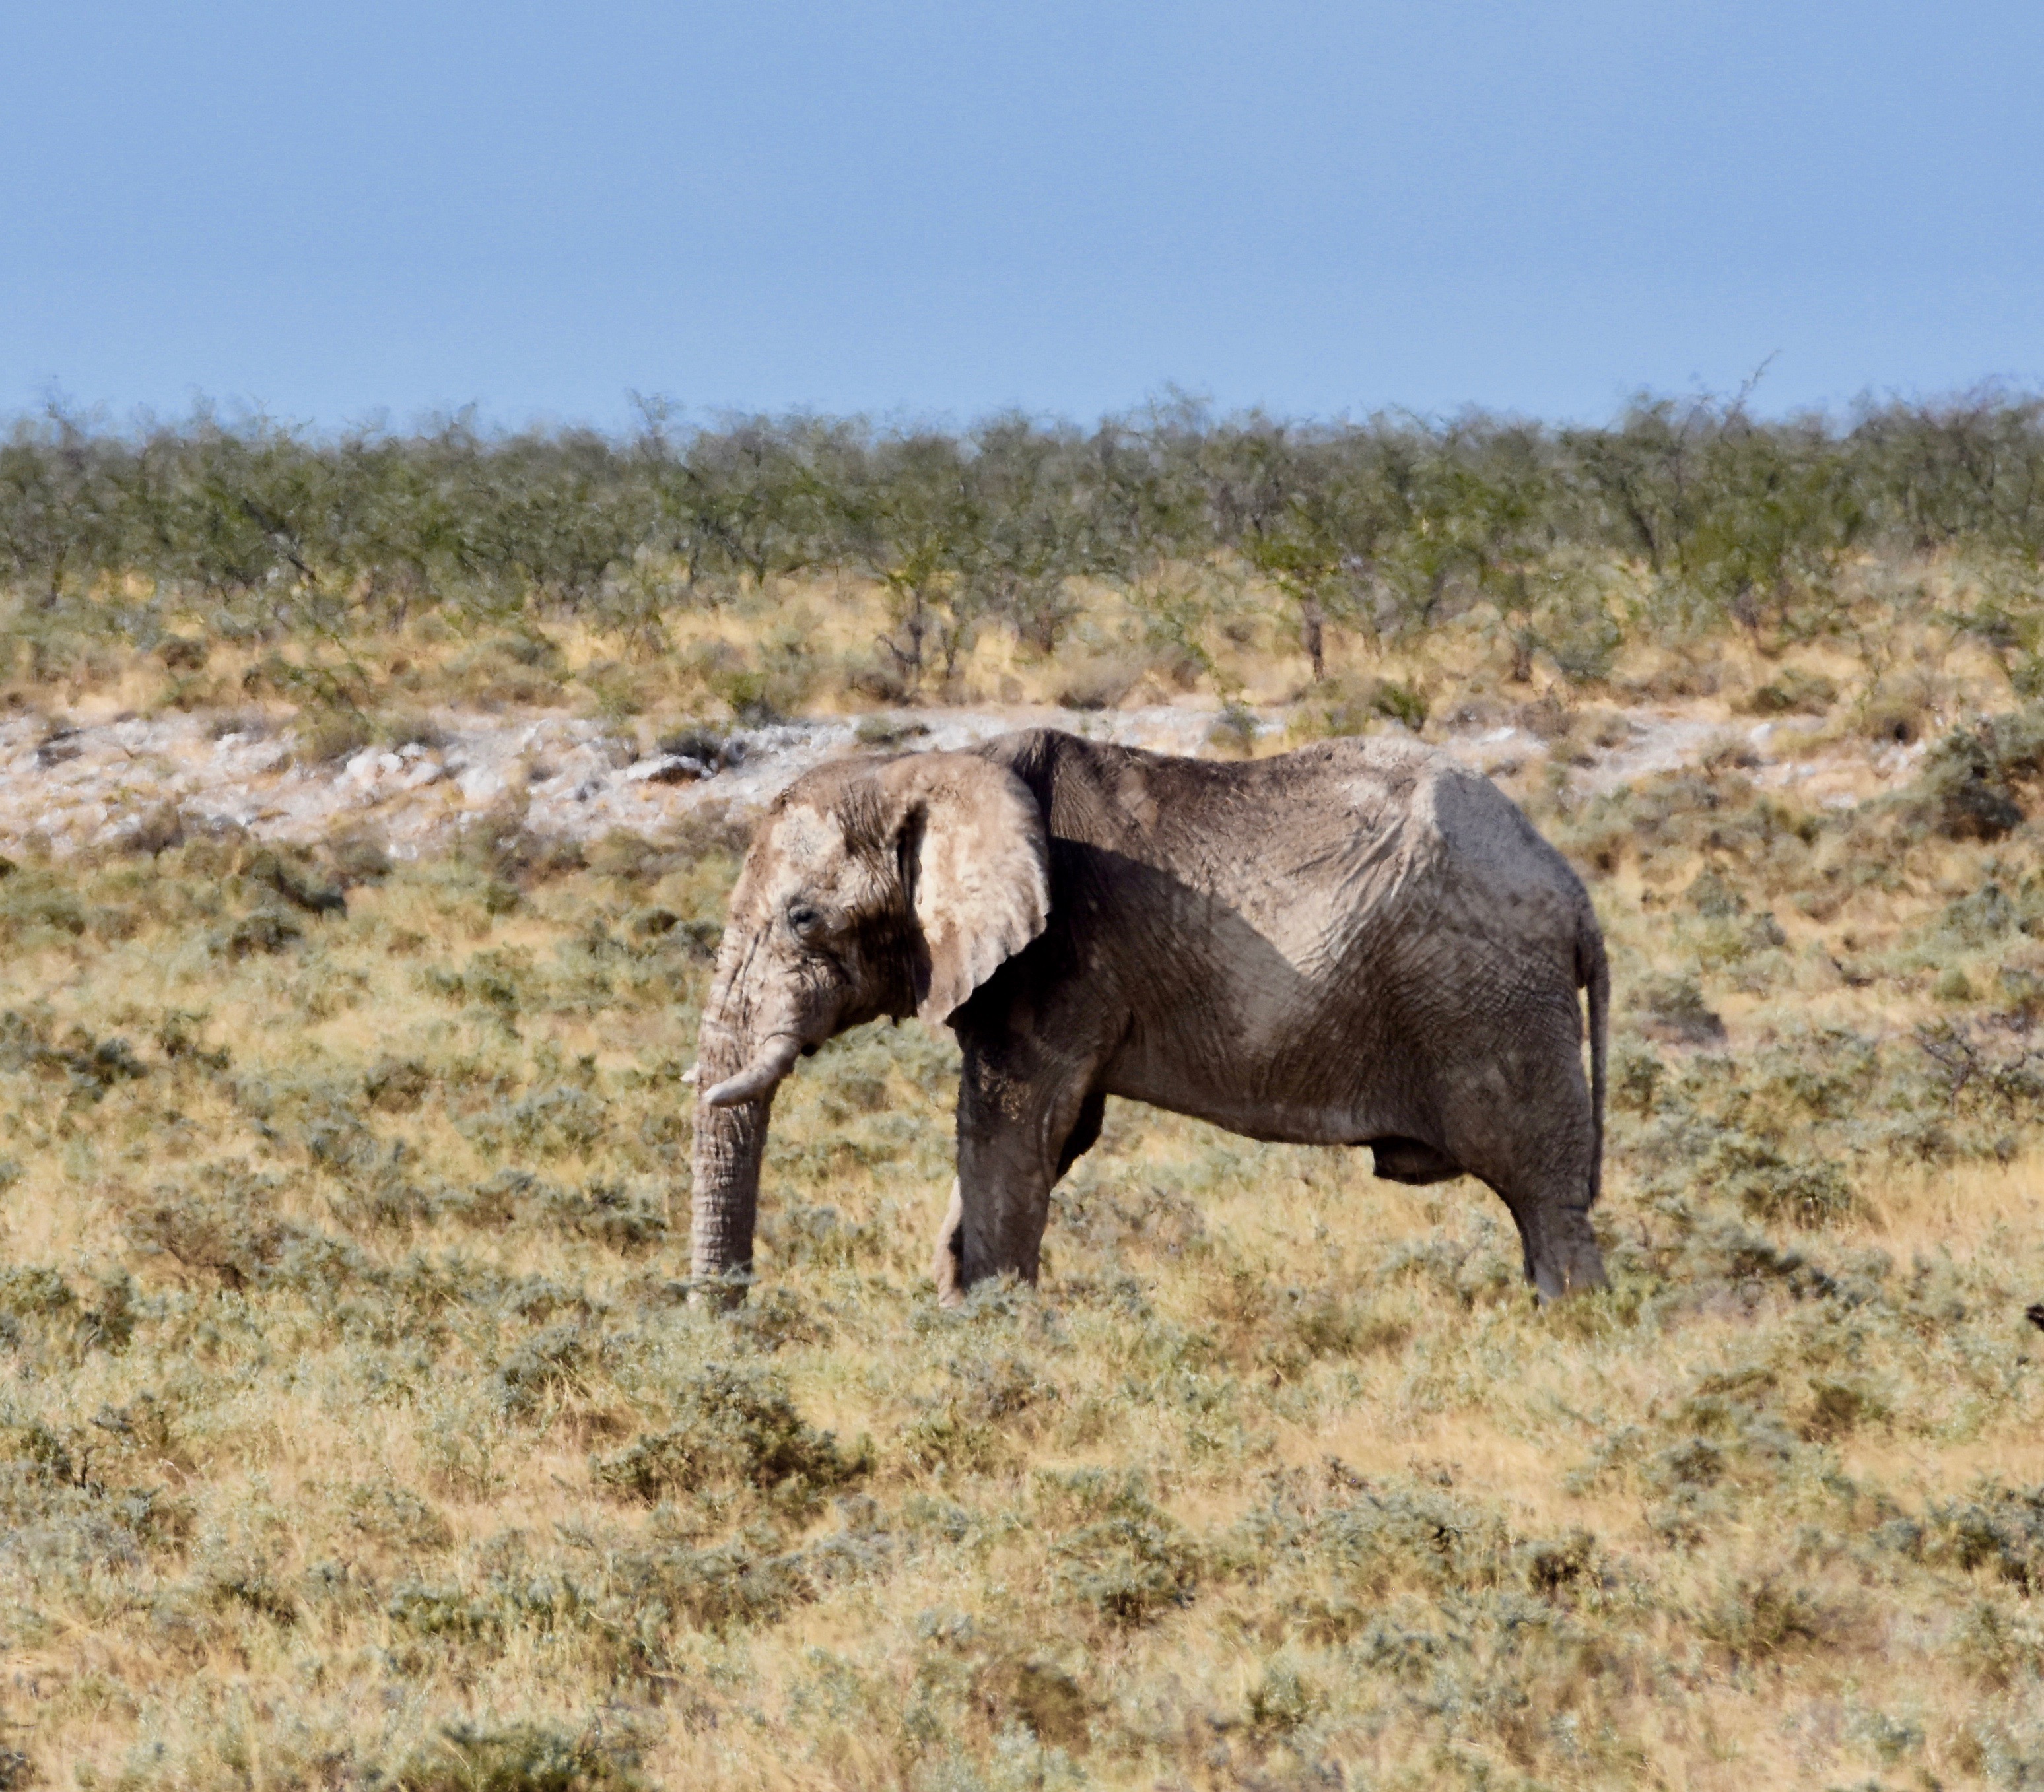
x=1886 y=670
x=354 y=1430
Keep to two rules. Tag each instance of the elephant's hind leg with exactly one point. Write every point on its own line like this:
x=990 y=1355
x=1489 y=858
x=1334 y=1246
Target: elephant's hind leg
x=1553 y=1216
x=1532 y=1138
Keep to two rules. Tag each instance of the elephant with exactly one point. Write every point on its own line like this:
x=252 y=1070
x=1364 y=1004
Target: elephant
x=1358 y=943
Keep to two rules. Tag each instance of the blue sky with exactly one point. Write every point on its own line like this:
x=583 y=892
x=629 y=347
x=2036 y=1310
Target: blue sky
x=939 y=210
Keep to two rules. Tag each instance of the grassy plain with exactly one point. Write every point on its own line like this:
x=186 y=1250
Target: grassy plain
x=354 y=1430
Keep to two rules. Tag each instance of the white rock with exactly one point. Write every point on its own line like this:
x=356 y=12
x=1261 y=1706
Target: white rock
x=479 y=784
x=665 y=767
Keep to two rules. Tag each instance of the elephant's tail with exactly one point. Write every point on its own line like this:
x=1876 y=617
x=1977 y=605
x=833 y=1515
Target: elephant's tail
x=1593 y=974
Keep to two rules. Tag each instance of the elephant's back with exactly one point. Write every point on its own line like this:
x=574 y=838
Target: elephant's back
x=1314 y=848
x=1385 y=871
x=1453 y=822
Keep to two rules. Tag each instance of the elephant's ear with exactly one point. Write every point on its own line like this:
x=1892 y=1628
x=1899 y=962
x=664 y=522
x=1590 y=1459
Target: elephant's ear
x=976 y=859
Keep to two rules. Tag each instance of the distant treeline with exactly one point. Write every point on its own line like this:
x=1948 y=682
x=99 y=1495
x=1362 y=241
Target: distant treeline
x=1384 y=524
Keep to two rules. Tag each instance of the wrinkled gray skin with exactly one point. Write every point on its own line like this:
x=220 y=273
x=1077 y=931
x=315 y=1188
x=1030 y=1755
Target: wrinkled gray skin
x=1360 y=943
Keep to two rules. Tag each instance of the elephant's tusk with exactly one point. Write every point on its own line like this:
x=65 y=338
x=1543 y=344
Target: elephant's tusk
x=758 y=1078
x=692 y=1075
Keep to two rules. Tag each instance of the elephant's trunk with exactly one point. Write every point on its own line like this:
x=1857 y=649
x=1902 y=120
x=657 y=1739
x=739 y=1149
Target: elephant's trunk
x=737 y=1085
x=729 y=1142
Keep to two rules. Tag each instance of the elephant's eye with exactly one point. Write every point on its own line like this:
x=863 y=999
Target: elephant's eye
x=804 y=919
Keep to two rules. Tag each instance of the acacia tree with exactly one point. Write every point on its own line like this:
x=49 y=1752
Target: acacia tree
x=1302 y=549
x=59 y=501
x=913 y=524
x=757 y=494
x=1035 y=528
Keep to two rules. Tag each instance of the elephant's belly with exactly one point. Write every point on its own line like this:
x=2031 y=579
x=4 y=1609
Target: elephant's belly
x=1293 y=1060
x=1240 y=1105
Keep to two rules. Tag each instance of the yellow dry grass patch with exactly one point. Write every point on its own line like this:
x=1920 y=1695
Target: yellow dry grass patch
x=336 y=1301
x=1199 y=631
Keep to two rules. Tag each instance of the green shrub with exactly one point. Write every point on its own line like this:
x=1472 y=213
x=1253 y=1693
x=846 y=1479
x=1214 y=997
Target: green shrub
x=1128 y=1567
x=1971 y=779
x=322 y=737
x=737 y=1583
x=1352 y=707
x=1998 y=1527
x=521 y=1757
x=266 y=930
x=1757 y=1620
x=1793 y=691
x=1234 y=730
x=1677 y=1011
x=550 y=1363
x=395 y=1515
x=299 y=883
x=730 y=1428
x=1777 y=1187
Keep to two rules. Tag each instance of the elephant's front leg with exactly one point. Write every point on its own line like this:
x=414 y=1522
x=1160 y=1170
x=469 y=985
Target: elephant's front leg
x=1020 y=1110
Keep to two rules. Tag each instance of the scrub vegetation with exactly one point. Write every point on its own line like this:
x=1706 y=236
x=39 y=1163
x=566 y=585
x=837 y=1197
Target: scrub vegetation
x=355 y=1429
x=773 y=564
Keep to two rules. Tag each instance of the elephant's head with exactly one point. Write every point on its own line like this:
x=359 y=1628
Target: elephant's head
x=890 y=888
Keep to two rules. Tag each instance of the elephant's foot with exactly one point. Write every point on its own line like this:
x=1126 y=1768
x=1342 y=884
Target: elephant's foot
x=945 y=1266
x=720 y=1293
x=1568 y=1261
